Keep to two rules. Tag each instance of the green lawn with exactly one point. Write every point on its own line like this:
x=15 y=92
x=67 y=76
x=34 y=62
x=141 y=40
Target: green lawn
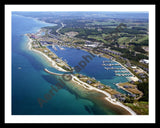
x=140 y=107
x=123 y=39
x=98 y=38
x=142 y=39
x=115 y=23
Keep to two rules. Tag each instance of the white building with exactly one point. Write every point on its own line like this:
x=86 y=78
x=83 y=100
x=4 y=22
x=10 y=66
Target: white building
x=91 y=45
x=145 y=61
x=133 y=67
x=45 y=51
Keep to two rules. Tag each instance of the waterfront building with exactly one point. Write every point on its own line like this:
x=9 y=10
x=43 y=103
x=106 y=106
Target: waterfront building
x=144 y=61
x=45 y=51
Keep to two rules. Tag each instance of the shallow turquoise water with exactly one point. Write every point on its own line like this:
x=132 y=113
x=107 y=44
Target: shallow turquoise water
x=30 y=81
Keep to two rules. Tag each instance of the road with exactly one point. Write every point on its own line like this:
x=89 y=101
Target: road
x=60 y=29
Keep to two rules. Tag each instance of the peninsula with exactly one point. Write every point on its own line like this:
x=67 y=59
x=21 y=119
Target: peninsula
x=132 y=63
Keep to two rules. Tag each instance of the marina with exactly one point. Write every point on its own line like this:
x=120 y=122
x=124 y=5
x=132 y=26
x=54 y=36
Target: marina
x=61 y=48
x=107 y=61
x=123 y=74
x=45 y=54
x=123 y=71
x=111 y=64
x=118 y=69
x=112 y=68
x=54 y=47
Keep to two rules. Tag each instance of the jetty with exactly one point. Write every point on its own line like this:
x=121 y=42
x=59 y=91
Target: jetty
x=53 y=73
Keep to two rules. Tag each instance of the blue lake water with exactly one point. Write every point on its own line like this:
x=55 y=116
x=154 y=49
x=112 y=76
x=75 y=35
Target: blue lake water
x=93 y=66
x=30 y=81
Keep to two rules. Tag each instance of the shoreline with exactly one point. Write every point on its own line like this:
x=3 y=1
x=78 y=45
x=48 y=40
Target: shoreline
x=107 y=95
x=53 y=63
x=75 y=79
x=131 y=78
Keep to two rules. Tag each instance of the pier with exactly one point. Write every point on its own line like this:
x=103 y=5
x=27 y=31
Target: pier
x=61 y=48
x=121 y=71
x=54 y=47
x=123 y=74
x=107 y=61
x=111 y=64
x=112 y=68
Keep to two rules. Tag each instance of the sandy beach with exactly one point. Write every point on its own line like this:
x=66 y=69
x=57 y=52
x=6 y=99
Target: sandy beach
x=108 y=96
x=53 y=63
x=79 y=82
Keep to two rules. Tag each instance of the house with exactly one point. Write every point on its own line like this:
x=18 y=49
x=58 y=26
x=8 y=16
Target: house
x=100 y=86
x=91 y=45
x=45 y=51
x=43 y=43
x=80 y=76
x=122 y=99
x=133 y=95
x=110 y=51
x=50 y=53
x=49 y=42
x=127 y=86
x=117 y=95
x=133 y=67
x=33 y=36
x=88 y=42
x=67 y=67
x=142 y=75
x=58 y=60
x=144 y=61
x=122 y=46
x=89 y=82
x=35 y=46
x=132 y=82
x=140 y=81
x=53 y=57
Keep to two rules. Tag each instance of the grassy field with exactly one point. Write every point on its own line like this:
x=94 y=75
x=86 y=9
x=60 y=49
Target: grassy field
x=124 y=39
x=142 y=39
x=98 y=38
x=140 y=107
x=108 y=23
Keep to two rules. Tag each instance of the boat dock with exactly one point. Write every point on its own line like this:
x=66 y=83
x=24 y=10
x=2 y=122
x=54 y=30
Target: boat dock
x=112 y=68
x=107 y=61
x=121 y=71
x=61 y=48
x=123 y=74
x=111 y=64
x=54 y=47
